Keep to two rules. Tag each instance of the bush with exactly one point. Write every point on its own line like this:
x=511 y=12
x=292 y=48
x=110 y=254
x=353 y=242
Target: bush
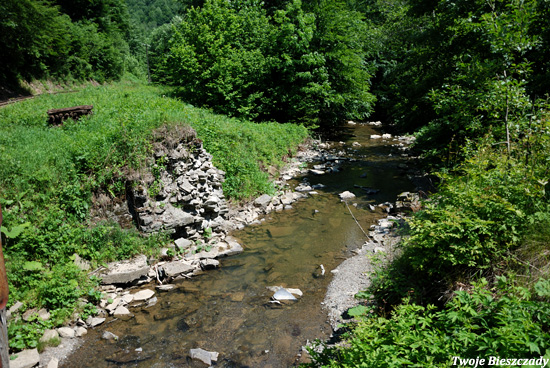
x=505 y=322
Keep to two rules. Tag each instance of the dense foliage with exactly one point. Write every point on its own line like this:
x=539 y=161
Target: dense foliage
x=63 y=40
x=460 y=70
x=291 y=65
x=503 y=323
x=49 y=174
x=467 y=77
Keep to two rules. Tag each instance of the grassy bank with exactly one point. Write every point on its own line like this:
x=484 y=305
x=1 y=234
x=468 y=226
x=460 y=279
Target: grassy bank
x=48 y=176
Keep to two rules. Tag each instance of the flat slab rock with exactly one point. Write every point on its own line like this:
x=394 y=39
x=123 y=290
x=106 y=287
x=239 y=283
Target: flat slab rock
x=143 y=295
x=25 y=359
x=207 y=357
x=126 y=271
x=173 y=269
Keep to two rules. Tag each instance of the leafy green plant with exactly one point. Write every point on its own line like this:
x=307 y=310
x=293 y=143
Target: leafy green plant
x=480 y=323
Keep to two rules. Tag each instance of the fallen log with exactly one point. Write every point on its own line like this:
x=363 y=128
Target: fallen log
x=58 y=116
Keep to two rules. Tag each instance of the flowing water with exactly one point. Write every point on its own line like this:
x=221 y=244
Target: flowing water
x=227 y=310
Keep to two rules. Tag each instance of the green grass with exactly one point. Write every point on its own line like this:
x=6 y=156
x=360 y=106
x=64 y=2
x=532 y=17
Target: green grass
x=48 y=175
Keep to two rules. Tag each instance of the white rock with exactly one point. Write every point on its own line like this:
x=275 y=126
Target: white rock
x=375 y=136
x=95 y=321
x=127 y=298
x=49 y=335
x=80 y=331
x=207 y=357
x=143 y=295
x=111 y=307
x=123 y=313
x=386 y=136
x=54 y=363
x=347 y=195
x=66 y=332
x=296 y=292
x=283 y=294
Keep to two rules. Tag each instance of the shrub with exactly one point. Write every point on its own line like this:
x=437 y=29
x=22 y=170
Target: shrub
x=503 y=322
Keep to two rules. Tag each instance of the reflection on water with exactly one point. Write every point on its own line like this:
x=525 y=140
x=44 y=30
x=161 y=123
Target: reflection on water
x=227 y=310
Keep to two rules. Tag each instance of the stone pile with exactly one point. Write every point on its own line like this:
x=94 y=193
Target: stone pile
x=183 y=195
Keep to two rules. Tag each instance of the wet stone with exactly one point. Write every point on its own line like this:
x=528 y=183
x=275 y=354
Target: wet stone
x=207 y=357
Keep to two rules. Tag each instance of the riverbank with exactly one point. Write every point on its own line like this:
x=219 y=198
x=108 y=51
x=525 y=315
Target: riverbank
x=254 y=213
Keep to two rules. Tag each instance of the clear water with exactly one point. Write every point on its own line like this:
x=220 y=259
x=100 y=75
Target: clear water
x=227 y=310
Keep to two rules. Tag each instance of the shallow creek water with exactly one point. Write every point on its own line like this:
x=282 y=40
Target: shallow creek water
x=227 y=310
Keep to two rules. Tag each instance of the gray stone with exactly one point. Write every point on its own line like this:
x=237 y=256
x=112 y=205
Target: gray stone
x=126 y=298
x=83 y=264
x=126 y=272
x=176 y=217
x=80 y=331
x=43 y=314
x=207 y=264
x=185 y=185
x=123 y=313
x=166 y=287
x=317 y=172
x=14 y=308
x=25 y=359
x=28 y=314
x=109 y=336
x=262 y=201
x=94 y=321
x=287 y=198
x=66 y=332
x=143 y=295
x=53 y=363
x=346 y=195
x=207 y=357
x=49 y=335
x=183 y=243
x=303 y=188
x=111 y=307
x=233 y=247
x=176 y=268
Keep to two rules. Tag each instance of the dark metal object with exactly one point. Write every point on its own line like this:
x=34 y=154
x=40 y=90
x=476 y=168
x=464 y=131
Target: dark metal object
x=58 y=116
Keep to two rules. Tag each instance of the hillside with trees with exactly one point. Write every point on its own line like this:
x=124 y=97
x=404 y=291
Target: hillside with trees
x=469 y=79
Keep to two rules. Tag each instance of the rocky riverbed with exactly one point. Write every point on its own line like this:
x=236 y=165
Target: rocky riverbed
x=189 y=203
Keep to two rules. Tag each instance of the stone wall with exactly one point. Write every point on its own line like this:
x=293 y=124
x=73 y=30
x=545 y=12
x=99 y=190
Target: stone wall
x=183 y=193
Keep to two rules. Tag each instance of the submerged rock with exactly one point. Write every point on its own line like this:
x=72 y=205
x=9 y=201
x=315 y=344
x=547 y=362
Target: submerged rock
x=207 y=357
x=143 y=295
x=283 y=294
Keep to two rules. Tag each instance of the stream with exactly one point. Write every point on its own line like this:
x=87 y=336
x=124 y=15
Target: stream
x=227 y=310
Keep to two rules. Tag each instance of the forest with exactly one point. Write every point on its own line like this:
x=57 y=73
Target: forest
x=468 y=78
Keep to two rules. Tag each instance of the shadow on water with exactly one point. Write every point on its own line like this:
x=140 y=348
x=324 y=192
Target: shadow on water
x=227 y=310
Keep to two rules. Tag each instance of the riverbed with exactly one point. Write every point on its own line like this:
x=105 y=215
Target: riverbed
x=228 y=310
